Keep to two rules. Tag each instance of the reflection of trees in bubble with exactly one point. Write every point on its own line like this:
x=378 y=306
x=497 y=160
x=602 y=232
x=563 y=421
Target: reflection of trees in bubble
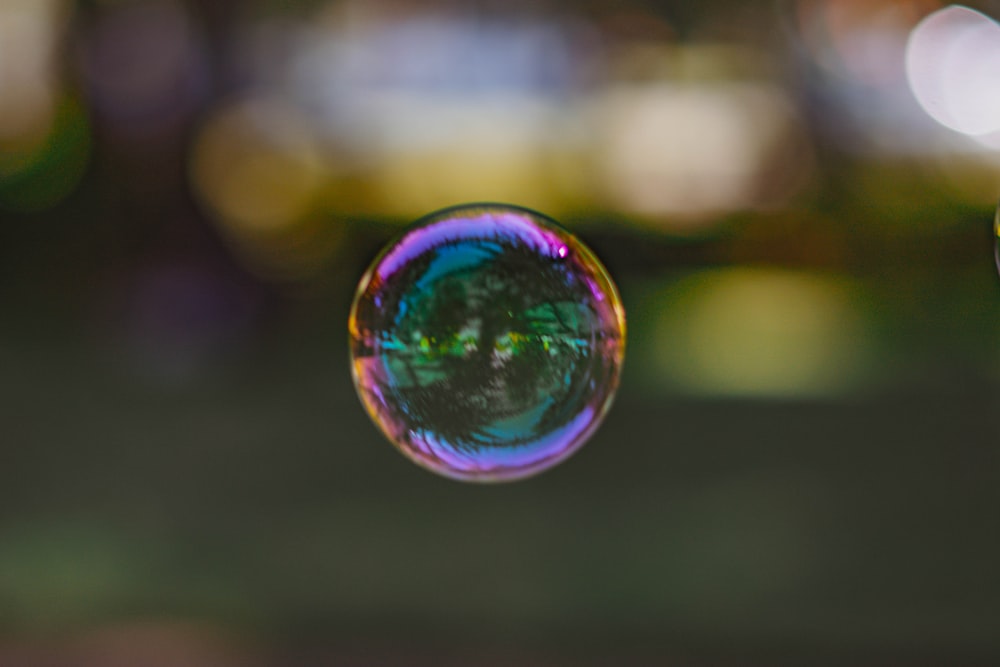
x=504 y=332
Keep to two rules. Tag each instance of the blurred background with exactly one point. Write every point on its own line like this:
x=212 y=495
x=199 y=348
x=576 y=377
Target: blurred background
x=796 y=198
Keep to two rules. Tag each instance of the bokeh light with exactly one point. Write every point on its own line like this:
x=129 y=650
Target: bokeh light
x=52 y=169
x=953 y=64
x=44 y=131
x=439 y=107
x=259 y=167
x=143 y=65
x=686 y=153
x=862 y=40
x=761 y=332
x=29 y=77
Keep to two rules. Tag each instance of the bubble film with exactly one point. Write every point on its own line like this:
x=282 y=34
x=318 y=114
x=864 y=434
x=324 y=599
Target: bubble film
x=996 y=237
x=487 y=342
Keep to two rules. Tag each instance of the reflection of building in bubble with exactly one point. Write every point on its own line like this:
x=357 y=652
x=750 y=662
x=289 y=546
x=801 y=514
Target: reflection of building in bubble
x=761 y=332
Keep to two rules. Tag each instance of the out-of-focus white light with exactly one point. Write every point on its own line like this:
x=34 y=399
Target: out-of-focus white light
x=441 y=106
x=861 y=41
x=692 y=151
x=953 y=67
x=28 y=81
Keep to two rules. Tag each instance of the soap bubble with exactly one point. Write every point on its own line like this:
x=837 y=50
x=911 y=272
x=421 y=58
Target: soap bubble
x=996 y=237
x=487 y=342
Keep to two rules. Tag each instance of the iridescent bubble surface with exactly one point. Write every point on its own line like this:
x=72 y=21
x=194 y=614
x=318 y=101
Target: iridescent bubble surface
x=996 y=237
x=487 y=342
